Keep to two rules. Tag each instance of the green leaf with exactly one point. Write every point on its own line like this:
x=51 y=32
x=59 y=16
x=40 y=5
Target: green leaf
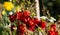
x=14 y=0
x=39 y=29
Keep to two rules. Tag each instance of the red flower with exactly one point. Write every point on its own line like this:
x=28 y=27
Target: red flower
x=21 y=28
x=25 y=19
x=12 y=17
x=26 y=13
x=43 y=25
x=19 y=14
x=31 y=28
x=37 y=21
x=53 y=26
x=30 y=22
x=56 y=33
x=51 y=32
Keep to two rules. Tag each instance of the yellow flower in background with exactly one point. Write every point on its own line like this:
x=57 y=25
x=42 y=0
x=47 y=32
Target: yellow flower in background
x=8 y=6
x=3 y=12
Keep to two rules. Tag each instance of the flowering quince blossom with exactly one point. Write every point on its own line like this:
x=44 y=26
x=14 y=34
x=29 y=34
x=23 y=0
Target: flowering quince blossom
x=21 y=28
x=12 y=18
x=52 y=30
x=30 y=23
x=53 y=26
x=19 y=14
x=43 y=25
x=26 y=13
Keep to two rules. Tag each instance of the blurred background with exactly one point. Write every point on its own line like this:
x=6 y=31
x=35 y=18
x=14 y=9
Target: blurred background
x=52 y=5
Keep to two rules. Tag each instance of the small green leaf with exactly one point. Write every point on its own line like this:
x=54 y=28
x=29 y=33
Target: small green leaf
x=39 y=29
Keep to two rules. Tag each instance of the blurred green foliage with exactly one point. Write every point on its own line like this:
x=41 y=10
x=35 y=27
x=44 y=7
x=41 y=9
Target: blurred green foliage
x=53 y=6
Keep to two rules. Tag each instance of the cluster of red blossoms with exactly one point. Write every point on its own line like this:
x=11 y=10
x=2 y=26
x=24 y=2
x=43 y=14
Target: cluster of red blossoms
x=28 y=23
x=52 y=30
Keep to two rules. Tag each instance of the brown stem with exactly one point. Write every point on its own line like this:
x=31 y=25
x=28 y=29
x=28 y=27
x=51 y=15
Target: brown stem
x=0 y=10
x=43 y=9
x=48 y=14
